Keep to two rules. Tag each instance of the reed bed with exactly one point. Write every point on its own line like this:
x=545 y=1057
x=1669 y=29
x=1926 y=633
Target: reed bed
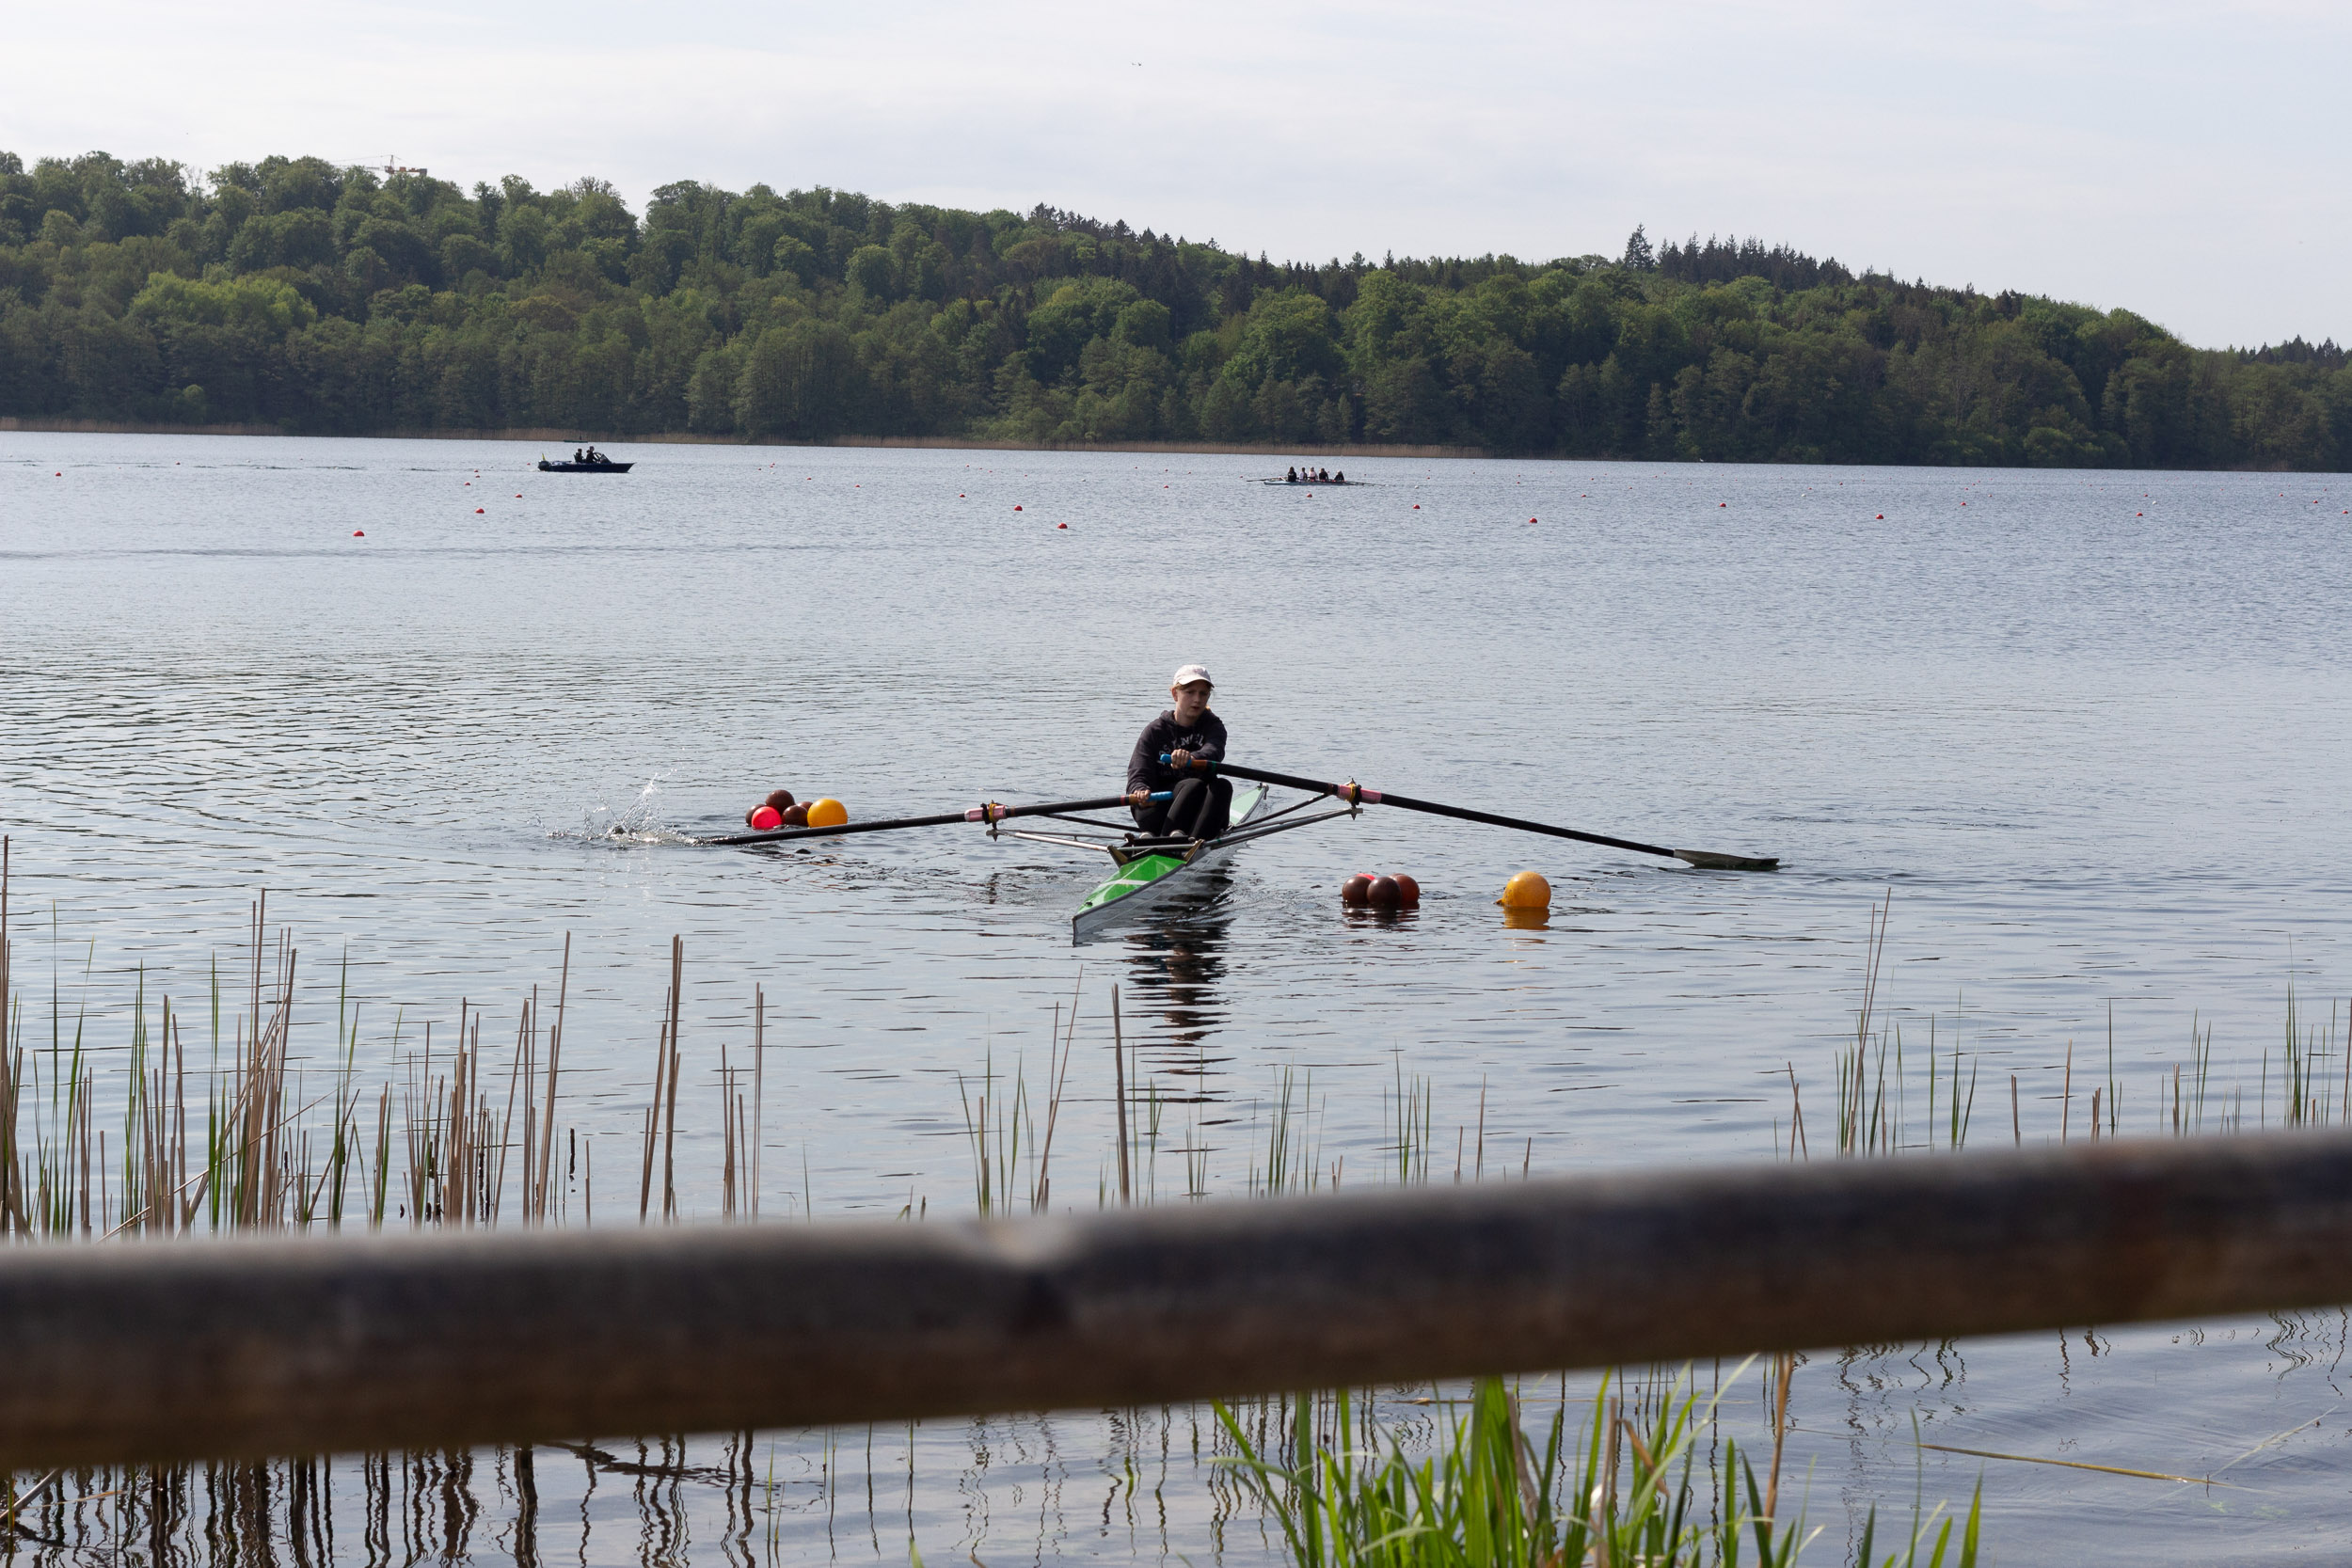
x=469 y=1127
x=1618 y=1489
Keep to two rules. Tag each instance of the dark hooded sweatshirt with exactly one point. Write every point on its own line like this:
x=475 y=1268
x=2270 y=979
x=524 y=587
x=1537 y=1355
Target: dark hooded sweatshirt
x=1204 y=739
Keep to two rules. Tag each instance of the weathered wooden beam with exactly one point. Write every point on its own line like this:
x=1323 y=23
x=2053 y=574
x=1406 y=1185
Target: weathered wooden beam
x=155 y=1350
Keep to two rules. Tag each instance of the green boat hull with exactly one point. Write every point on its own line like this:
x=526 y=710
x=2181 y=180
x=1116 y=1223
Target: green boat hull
x=1143 y=881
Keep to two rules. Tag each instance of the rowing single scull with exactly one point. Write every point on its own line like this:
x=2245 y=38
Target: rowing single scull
x=1151 y=871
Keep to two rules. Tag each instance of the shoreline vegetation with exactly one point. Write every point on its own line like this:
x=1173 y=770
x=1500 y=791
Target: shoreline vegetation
x=263 y=1134
x=553 y=436
x=297 y=296
x=384 y=1126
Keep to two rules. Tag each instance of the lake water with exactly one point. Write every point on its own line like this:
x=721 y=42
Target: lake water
x=2089 y=732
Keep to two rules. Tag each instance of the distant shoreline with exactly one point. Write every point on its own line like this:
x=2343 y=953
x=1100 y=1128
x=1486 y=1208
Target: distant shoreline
x=567 y=438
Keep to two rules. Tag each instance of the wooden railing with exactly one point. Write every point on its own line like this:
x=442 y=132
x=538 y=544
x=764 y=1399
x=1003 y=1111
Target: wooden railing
x=135 y=1351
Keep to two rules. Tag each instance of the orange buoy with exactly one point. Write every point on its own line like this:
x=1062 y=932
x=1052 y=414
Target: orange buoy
x=1527 y=890
x=1408 y=890
x=827 y=813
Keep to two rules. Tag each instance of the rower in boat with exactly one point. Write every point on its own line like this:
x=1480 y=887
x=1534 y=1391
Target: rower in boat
x=1196 y=807
x=1289 y=475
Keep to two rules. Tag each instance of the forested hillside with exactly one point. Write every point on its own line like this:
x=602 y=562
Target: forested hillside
x=320 y=299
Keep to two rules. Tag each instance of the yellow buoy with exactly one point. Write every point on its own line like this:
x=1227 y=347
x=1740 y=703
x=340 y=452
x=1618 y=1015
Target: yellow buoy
x=1526 y=890
x=827 y=813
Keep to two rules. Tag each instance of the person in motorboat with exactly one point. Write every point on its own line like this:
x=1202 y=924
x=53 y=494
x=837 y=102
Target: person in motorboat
x=577 y=457
x=1200 y=806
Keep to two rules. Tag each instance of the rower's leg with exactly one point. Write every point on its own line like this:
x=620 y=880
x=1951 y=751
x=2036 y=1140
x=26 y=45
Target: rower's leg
x=1184 y=807
x=1151 y=818
x=1199 y=807
x=1219 y=814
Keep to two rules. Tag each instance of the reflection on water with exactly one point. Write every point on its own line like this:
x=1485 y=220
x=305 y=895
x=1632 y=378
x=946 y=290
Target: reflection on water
x=1174 y=965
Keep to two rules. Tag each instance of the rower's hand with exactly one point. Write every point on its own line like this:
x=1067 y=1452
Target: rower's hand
x=1138 y=797
x=1180 y=760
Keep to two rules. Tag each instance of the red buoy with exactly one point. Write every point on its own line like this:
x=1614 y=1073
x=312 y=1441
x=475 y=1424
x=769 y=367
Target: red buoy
x=766 y=817
x=1061 y=525
x=1408 y=890
x=1355 y=890
x=358 y=534
x=1016 y=509
x=477 y=512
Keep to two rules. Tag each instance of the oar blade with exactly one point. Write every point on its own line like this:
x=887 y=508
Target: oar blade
x=1708 y=860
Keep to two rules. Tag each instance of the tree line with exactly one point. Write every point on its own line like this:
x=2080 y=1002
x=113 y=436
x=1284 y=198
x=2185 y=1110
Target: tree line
x=321 y=298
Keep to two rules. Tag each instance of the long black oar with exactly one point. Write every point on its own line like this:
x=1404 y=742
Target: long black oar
x=990 y=813
x=1707 y=859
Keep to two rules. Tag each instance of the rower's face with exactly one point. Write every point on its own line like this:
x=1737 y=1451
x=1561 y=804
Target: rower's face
x=1191 y=701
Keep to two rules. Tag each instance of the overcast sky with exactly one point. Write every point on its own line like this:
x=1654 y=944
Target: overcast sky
x=2185 y=161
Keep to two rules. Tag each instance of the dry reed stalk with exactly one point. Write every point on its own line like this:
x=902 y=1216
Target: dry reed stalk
x=2066 y=1095
x=1605 y=1510
x=1784 y=1368
x=1041 y=1194
x=760 y=1094
x=727 y=1134
x=546 y=1117
x=1119 y=1086
x=669 y=1131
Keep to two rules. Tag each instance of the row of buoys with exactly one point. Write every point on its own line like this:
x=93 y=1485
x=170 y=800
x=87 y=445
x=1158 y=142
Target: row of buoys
x=781 y=810
x=1526 y=898
x=1398 y=892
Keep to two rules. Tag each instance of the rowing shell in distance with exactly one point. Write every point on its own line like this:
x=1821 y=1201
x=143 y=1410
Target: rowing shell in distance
x=548 y=468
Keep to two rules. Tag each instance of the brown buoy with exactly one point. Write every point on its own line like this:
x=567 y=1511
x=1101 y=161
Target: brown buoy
x=1355 y=890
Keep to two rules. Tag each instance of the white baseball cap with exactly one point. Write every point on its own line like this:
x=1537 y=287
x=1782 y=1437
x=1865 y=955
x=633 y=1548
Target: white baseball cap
x=1192 y=672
